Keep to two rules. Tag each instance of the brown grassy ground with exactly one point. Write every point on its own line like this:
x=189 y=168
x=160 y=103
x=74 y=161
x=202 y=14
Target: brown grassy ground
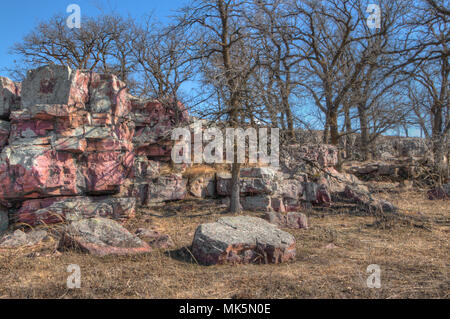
x=413 y=255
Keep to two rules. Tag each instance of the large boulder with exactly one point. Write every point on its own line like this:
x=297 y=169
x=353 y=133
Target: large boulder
x=292 y=220
x=254 y=181
x=101 y=237
x=71 y=136
x=62 y=209
x=202 y=186
x=242 y=240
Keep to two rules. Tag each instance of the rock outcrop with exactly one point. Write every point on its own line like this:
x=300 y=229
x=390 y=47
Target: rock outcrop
x=69 y=136
x=101 y=237
x=4 y=220
x=292 y=220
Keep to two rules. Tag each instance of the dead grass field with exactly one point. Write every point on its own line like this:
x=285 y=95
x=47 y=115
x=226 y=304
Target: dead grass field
x=332 y=257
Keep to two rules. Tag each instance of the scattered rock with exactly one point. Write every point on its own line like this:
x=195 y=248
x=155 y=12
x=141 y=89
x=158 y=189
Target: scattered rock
x=20 y=239
x=202 y=186
x=155 y=239
x=242 y=239
x=61 y=209
x=101 y=237
x=292 y=220
x=167 y=188
x=323 y=154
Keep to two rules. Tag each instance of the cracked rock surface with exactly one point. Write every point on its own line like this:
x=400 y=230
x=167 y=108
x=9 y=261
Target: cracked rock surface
x=242 y=240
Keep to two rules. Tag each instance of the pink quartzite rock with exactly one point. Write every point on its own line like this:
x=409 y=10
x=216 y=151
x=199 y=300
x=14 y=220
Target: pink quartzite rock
x=109 y=95
x=359 y=196
x=155 y=239
x=290 y=220
x=317 y=194
x=439 y=193
x=61 y=209
x=278 y=204
x=101 y=237
x=242 y=240
x=167 y=188
x=37 y=171
x=55 y=85
x=154 y=124
x=260 y=203
x=106 y=171
x=9 y=97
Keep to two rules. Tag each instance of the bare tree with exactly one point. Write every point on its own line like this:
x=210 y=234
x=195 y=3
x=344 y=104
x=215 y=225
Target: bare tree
x=220 y=41
x=102 y=44
x=429 y=91
x=161 y=54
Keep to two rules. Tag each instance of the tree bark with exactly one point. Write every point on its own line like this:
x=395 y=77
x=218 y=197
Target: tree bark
x=364 y=142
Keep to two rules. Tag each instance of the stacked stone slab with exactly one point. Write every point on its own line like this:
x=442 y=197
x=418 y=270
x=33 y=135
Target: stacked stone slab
x=71 y=137
x=152 y=141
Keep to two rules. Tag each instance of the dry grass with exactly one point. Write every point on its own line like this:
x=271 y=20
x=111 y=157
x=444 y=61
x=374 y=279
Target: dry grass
x=414 y=261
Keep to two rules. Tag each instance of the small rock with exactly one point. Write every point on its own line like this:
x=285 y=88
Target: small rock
x=292 y=220
x=101 y=237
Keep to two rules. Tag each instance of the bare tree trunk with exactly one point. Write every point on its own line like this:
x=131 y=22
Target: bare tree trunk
x=364 y=142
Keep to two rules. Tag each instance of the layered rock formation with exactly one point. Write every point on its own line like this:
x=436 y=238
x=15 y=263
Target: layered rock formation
x=67 y=137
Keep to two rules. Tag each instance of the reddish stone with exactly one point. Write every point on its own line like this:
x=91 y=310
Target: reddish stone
x=242 y=240
x=101 y=237
x=322 y=154
x=34 y=171
x=292 y=220
x=106 y=171
x=9 y=97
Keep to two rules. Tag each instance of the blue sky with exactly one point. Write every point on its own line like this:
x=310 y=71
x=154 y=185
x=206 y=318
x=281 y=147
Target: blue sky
x=18 y=17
